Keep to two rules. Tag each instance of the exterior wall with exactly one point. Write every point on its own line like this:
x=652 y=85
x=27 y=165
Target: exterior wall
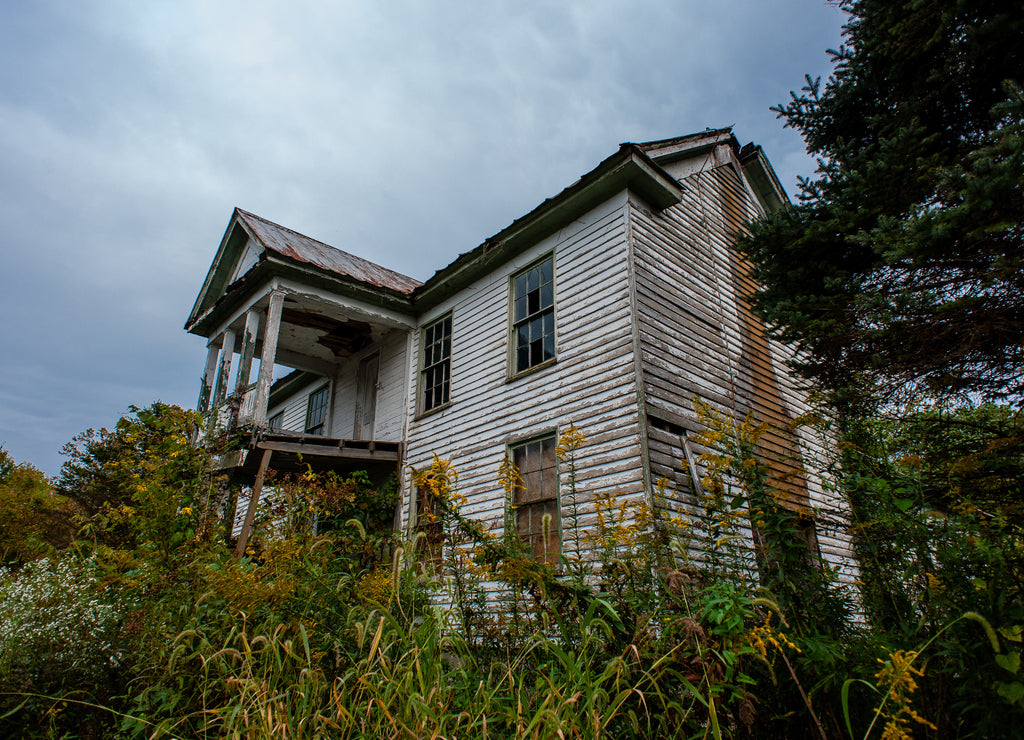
x=294 y=408
x=389 y=418
x=699 y=338
x=391 y=384
x=592 y=383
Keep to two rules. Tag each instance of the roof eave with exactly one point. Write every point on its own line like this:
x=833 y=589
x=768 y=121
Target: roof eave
x=227 y=244
x=628 y=169
x=276 y=266
x=762 y=178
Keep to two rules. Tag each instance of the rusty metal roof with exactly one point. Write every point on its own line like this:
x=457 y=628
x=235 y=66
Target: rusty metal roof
x=296 y=246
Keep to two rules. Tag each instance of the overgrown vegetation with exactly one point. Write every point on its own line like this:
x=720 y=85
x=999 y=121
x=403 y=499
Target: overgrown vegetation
x=125 y=614
x=654 y=623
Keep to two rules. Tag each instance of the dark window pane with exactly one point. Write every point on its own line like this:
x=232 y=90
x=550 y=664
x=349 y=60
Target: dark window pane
x=549 y=347
x=520 y=310
x=533 y=279
x=546 y=270
x=547 y=295
x=533 y=301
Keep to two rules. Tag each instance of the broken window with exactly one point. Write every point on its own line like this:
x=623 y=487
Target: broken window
x=536 y=497
x=316 y=411
x=533 y=315
x=437 y=360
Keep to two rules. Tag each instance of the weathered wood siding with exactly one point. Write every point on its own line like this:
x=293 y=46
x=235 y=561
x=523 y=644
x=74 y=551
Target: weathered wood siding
x=699 y=338
x=391 y=383
x=391 y=393
x=294 y=407
x=592 y=384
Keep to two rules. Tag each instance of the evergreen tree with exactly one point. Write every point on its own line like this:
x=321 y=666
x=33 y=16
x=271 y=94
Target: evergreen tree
x=900 y=269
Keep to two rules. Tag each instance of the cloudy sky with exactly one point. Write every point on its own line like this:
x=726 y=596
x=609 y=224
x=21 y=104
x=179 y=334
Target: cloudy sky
x=402 y=131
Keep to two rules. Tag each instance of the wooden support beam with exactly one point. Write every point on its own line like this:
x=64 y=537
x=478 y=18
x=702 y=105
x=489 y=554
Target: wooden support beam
x=209 y=372
x=254 y=500
x=252 y=327
x=351 y=453
x=227 y=356
x=267 y=357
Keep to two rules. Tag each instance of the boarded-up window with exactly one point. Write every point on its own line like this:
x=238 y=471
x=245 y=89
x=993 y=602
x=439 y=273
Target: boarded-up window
x=533 y=315
x=428 y=521
x=316 y=411
x=536 y=497
x=436 y=367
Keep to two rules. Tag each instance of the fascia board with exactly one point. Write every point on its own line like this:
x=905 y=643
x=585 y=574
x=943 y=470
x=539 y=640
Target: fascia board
x=227 y=255
x=763 y=180
x=690 y=147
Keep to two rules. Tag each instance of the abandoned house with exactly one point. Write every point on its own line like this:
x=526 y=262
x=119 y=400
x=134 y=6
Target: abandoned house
x=610 y=306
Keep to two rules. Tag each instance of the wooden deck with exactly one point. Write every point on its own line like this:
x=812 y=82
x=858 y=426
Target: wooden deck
x=290 y=452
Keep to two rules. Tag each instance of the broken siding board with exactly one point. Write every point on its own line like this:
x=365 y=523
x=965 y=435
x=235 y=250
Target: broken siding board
x=690 y=244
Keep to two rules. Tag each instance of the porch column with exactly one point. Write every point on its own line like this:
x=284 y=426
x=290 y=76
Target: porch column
x=252 y=327
x=227 y=356
x=249 y=334
x=266 y=377
x=206 y=386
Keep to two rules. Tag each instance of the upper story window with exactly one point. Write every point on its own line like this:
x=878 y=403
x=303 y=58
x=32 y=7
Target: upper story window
x=436 y=368
x=533 y=315
x=276 y=422
x=316 y=411
x=536 y=497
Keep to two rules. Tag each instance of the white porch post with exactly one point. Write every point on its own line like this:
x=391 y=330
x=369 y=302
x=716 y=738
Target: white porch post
x=206 y=387
x=270 y=334
x=246 y=363
x=252 y=328
x=227 y=356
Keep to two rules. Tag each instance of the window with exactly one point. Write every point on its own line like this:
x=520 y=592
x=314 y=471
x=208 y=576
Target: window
x=533 y=315
x=428 y=521
x=276 y=421
x=437 y=360
x=316 y=411
x=536 y=497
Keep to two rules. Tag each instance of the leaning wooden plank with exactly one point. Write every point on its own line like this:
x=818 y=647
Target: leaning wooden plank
x=254 y=500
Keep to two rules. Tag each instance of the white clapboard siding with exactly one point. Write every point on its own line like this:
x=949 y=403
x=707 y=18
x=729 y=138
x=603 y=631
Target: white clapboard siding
x=592 y=384
x=698 y=338
x=391 y=384
x=295 y=406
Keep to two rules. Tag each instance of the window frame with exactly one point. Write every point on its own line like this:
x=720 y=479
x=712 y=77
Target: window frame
x=514 y=371
x=276 y=422
x=312 y=430
x=520 y=505
x=445 y=362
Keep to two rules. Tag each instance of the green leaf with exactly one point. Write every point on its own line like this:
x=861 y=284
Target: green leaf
x=1013 y=634
x=1012 y=692
x=903 y=503
x=1009 y=662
